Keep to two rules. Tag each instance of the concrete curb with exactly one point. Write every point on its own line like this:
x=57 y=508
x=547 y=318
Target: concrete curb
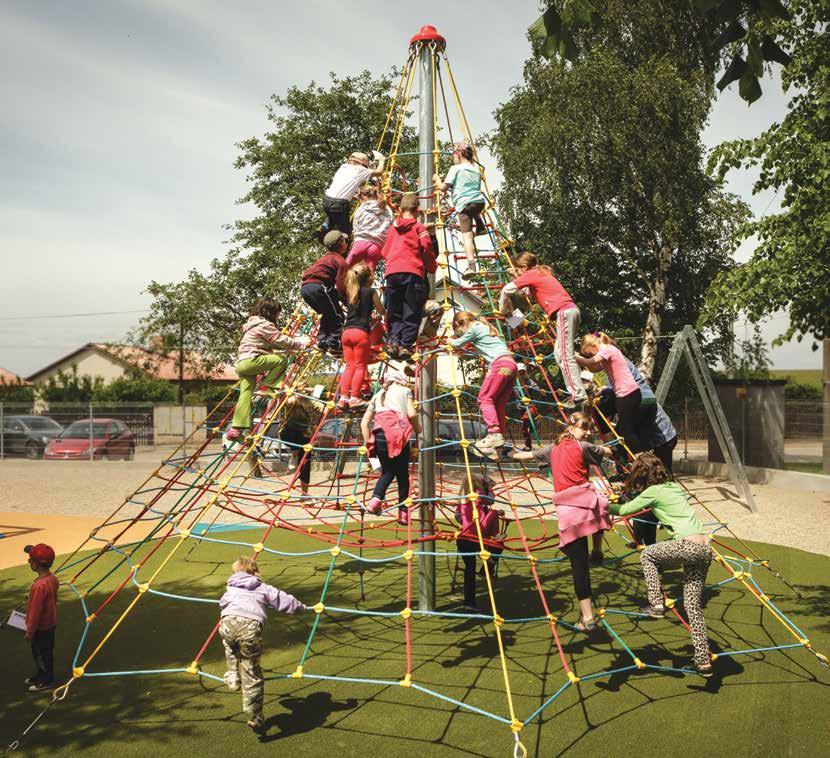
x=793 y=480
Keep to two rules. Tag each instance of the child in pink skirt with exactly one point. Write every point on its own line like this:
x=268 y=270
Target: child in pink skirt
x=371 y=223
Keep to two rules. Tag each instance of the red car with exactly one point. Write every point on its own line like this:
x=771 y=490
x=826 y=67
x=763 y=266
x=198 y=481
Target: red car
x=110 y=439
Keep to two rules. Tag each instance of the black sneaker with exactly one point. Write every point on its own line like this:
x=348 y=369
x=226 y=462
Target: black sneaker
x=653 y=611
x=392 y=350
x=404 y=353
x=38 y=686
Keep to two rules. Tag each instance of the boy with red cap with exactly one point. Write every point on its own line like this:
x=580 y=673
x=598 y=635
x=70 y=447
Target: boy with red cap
x=41 y=615
x=409 y=258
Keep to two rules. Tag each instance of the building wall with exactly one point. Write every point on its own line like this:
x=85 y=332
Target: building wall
x=89 y=363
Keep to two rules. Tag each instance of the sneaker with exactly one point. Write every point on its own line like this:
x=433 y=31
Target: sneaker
x=231 y=681
x=358 y=404
x=375 y=506
x=404 y=353
x=653 y=611
x=493 y=441
x=257 y=724
x=342 y=404
x=38 y=686
x=30 y=680
x=403 y=516
x=233 y=433
x=704 y=669
x=392 y=350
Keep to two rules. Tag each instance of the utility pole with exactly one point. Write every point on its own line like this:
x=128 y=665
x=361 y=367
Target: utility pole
x=428 y=43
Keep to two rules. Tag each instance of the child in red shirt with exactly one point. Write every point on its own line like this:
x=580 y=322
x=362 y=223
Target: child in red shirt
x=559 y=307
x=321 y=289
x=409 y=258
x=41 y=615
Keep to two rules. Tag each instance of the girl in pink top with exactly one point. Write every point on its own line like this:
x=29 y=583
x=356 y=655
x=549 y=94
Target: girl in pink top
x=600 y=353
x=557 y=304
x=580 y=509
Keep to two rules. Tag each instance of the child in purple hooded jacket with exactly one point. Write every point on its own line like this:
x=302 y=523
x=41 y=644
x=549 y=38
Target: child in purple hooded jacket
x=243 y=615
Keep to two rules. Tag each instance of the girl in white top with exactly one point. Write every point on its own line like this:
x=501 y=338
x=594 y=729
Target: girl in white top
x=347 y=181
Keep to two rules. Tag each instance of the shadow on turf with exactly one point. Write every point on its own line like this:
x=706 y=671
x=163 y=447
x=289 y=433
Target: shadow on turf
x=305 y=714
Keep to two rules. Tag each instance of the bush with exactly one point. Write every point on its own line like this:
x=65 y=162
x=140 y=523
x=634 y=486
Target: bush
x=802 y=391
x=16 y=392
x=136 y=387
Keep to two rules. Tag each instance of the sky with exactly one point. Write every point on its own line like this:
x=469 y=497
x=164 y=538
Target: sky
x=118 y=126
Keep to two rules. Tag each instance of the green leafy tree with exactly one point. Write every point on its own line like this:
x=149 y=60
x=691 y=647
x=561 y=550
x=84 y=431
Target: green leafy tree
x=312 y=131
x=604 y=173
x=136 y=387
x=16 y=392
x=751 y=360
x=790 y=266
x=70 y=387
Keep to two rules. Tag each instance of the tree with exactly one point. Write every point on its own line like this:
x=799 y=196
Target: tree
x=69 y=387
x=136 y=386
x=752 y=358
x=16 y=392
x=313 y=130
x=604 y=173
x=790 y=266
x=731 y=30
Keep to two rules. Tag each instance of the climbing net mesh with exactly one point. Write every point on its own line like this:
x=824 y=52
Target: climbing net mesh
x=201 y=491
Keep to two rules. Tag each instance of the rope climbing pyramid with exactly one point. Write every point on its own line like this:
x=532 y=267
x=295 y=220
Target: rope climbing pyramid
x=210 y=494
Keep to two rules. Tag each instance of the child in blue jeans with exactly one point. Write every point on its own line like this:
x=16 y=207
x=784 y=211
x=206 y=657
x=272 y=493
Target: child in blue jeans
x=243 y=615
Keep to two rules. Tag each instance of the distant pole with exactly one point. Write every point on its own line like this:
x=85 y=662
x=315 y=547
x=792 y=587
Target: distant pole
x=826 y=411
x=429 y=43
x=91 y=435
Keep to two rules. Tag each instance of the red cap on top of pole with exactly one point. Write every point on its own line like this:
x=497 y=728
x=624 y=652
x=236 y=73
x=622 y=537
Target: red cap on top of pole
x=428 y=33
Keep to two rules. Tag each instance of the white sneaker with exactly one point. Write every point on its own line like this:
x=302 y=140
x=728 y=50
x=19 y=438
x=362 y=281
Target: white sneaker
x=491 y=441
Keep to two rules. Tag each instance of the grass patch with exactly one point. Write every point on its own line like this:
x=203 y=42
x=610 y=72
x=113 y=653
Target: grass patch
x=758 y=704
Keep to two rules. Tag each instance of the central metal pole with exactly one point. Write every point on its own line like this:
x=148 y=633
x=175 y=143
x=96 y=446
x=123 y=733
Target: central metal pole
x=426 y=409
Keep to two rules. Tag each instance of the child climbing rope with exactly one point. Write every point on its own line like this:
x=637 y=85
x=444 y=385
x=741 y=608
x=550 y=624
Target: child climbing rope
x=361 y=300
x=580 y=510
x=322 y=285
x=467 y=543
x=688 y=547
x=559 y=307
x=299 y=417
x=372 y=220
x=347 y=181
x=464 y=183
x=599 y=353
x=497 y=386
x=387 y=426
x=409 y=258
x=41 y=616
x=241 y=620
x=260 y=337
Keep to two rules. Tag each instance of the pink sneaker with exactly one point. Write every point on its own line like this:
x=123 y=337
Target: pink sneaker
x=375 y=506
x=403 y=516
x=342 y=404
x=233 y=433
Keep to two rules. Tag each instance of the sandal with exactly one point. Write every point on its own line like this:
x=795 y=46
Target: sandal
x=586 y=627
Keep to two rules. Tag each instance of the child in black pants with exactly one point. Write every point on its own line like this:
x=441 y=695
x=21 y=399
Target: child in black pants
x=41 y=616
x=322 y=286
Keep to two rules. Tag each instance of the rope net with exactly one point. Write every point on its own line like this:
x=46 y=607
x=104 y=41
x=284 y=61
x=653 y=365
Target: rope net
x=207 y=493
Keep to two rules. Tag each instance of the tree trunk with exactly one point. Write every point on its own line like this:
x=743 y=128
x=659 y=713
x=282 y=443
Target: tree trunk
x=656 y=307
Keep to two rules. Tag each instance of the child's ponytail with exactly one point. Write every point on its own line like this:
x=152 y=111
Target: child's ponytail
x=356 y=277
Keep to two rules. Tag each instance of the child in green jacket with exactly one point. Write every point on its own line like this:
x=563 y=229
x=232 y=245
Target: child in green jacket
x=688 y=547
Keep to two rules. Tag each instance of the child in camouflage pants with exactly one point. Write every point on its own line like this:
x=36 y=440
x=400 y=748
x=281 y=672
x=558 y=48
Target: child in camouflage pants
x=243 y=615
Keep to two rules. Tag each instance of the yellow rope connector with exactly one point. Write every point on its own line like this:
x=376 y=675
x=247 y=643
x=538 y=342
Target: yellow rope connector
x=498 y=620
x=713 y=656
x=738 y=574
x=143 y=587
x=330 y=404
x=532 y=558
x=639 y=664
x=552 y=618
x=516 y=726
x=90 y=618
x=308 y=447
x=298 y=673
x=289 y=392
x=406 y=613
x=525 y=400
x=601 y=612
x=318 y=607
x=351 y=499
x=804 y=641
x=406 y=681
x=669 y=602
x=447 y=307
x=258 y=548
x=408 y=555
x=821 y=656
x=184 y=534
x=310 y=530
x=416 y=357
x=408 y=502
x=335 y=551
x=363 y=450
x=77 y=672
x=484 y=555
x=192 y=668
x=640 y=547
x=464 y=443
x=573 y=677
x=540 y=359
x=456 y=392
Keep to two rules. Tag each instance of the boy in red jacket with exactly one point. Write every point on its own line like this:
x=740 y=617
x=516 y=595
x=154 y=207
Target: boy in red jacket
x=322 y=286
x=41 y=615
x=409 y=258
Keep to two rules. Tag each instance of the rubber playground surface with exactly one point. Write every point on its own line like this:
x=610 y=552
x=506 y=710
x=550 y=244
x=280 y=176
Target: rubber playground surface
x=762 y=703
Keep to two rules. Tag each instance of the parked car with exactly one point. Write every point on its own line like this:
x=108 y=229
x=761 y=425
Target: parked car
x=28 y=435
x=110 y=439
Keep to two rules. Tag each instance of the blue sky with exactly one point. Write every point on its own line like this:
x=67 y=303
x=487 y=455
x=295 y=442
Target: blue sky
x=119 y=122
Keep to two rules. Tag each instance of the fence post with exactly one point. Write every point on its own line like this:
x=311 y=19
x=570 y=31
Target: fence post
x=91 y=436
x=685 y=428
x=2 y=434
x=184 y=430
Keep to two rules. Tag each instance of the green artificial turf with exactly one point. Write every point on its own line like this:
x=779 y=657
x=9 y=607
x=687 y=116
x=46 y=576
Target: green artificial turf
x=763 y=704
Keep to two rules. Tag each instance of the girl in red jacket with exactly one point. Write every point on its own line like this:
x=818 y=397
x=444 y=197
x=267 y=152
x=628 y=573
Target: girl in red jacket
x=409 y=258
x=560 y=309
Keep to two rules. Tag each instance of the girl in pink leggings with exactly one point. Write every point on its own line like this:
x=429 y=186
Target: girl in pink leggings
x=497 y=386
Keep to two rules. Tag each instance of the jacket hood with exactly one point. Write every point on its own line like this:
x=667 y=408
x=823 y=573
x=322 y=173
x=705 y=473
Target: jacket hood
x=403 y=225
x=244 y=581
x=254 y=321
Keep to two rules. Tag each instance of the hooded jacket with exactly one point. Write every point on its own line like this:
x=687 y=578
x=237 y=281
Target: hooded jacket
x=248 y=596
x=261 y=336
x=408 y=249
